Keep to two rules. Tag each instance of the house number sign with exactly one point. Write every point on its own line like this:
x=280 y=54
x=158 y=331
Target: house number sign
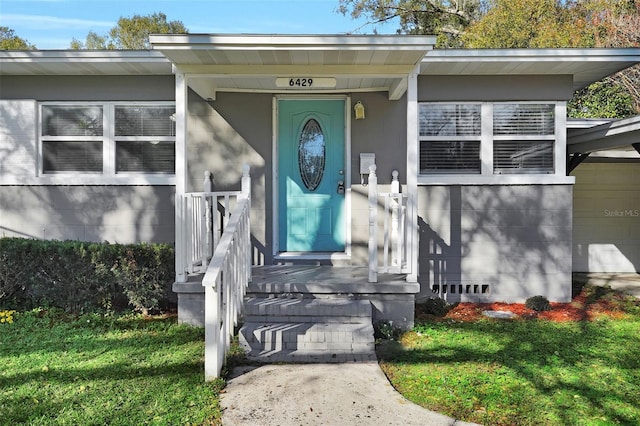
x=303 y=83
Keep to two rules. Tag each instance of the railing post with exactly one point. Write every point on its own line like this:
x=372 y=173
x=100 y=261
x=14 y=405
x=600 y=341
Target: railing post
x=395 y=201
x=207 y=184
x=181 y=239
x=245 y=187
x=373 y=224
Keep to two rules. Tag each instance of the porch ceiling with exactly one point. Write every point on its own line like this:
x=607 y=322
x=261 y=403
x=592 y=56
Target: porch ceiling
x=585 y=65
x=253 y=62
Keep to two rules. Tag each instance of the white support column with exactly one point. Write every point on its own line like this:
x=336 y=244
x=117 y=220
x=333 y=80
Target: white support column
x=413 y=159
x=181 y=180
x=560 y=148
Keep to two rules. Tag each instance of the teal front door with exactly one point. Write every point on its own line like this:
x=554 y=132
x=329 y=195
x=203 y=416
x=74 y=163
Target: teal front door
x=311 y=175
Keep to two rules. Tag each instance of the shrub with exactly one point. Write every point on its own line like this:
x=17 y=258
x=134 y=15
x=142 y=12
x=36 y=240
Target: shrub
x=538 y=303
x=81 y=277
x=433 y=306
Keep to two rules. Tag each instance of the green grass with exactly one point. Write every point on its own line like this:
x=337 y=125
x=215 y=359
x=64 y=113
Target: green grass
x=522 y=372
x=94 y=370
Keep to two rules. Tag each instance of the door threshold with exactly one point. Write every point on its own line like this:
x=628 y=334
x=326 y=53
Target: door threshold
x=307 y=255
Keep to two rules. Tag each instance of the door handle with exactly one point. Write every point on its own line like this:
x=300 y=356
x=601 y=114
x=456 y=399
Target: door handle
x=340 y=187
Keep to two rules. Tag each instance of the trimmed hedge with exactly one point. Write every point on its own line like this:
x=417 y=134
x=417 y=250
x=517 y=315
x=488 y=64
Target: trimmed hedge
x=85 y=277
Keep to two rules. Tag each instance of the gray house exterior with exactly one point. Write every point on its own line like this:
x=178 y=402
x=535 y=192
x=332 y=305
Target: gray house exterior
x=478 y=139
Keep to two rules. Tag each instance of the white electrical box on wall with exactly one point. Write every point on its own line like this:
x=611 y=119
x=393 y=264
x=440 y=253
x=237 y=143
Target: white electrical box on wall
x=366 y=159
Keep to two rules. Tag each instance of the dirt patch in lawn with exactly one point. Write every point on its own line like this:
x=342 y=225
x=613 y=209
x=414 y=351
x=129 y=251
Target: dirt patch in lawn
x=591 y=302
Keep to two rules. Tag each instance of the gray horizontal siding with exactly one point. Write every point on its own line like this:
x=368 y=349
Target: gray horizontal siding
x=514 y=239
x=118 y=214
x=606 y=217
x=490 y=88
x=89 y=88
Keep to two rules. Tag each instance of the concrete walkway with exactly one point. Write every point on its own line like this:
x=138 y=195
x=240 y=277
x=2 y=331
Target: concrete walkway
x=320 y=394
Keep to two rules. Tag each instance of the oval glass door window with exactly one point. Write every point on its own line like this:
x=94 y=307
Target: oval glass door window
x=311 y=154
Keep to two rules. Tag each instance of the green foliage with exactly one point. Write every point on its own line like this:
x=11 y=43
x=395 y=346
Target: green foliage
x=447 y=19
x=538 y=303
x=62 y=369
x=602 y=99
x=527 y=24
x=435 y=306
x=385 y=330
x=131 y=33
x=10 y=41
x=82 y=277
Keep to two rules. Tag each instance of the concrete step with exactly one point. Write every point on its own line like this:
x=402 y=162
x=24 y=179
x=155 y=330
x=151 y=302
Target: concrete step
x=281 y=329
x=285 y=309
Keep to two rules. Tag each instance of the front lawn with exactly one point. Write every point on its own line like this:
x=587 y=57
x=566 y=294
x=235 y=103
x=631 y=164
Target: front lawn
x=525 y=371
x=70 y=370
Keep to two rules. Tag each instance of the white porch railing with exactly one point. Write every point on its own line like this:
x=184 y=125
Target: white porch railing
x=203 y=216
x=225 y=282
x=393 y=206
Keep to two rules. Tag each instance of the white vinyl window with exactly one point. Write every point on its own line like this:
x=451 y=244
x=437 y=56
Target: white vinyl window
x=487 y=139
x=72 y=138
x=108 y=138
x=450 y=138
x=523 y=138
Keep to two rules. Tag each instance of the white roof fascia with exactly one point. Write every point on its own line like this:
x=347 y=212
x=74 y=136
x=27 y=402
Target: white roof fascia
x=289 y=42
x=616 y=134
x=25 y=62
x=586 y=65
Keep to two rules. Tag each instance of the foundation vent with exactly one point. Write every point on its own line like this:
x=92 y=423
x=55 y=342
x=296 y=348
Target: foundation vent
x=461 y=288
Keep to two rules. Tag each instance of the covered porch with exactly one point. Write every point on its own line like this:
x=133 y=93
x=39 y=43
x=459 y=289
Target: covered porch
x=231 y=257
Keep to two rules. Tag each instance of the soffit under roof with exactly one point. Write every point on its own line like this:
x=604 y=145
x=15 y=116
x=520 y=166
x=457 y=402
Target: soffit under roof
x=252 y=62
x=84 y=62
x=585 y=65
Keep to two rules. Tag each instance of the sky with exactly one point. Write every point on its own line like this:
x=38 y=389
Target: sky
x=52 y=24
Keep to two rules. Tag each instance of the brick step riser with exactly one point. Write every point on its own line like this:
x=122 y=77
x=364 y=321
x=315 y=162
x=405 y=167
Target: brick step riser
x=295 y=333
x=306 y=307
x=306 y=319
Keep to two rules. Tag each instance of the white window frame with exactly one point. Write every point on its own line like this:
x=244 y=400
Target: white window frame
x=108 y=176
x=487 y=175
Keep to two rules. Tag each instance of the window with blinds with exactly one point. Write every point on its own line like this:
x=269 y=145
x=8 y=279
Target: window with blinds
x=145 y=139
x=450 y=138
x=108 y=138
x=72 y=138
x=523 y=138
x=487 y=138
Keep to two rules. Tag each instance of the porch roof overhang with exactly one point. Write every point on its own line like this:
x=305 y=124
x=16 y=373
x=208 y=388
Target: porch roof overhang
x=621 y=135
x=585 y=65
x=83 y=62
x=253 y=63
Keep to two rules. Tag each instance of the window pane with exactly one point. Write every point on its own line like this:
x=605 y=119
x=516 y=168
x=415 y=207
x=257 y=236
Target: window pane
x=72 y=156
x=71 y=120
x=523 y=157
x=450 y=120
x=145 y=156
x=145 y=121
x=311 y=154
x=450 y=157
x=523 y=119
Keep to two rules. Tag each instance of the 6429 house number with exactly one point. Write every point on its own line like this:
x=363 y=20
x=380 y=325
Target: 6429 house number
x=306 y=82
x=300 y=82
